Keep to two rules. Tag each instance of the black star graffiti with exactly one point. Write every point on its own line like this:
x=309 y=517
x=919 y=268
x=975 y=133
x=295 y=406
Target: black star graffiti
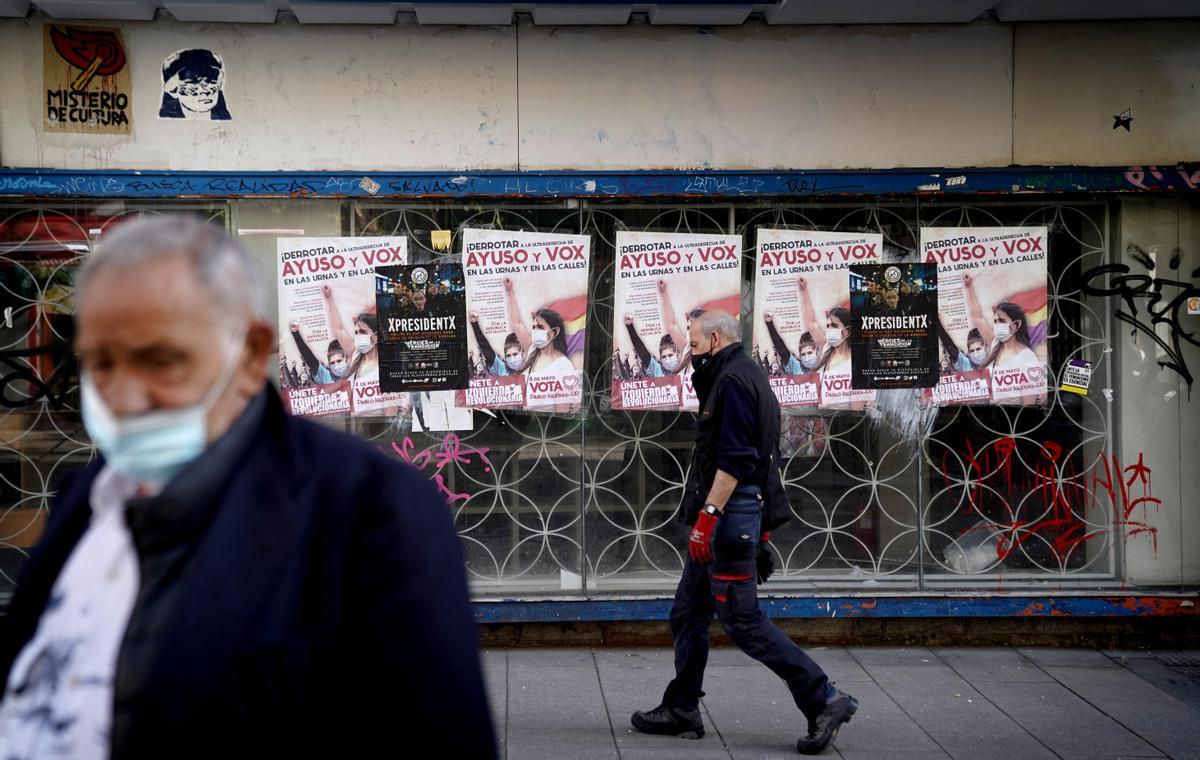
x=1124 y=119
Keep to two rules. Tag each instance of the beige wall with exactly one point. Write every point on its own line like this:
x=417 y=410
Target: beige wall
x=639 y=97
x=763 y=98
x=1071 y=79
x=396 y=97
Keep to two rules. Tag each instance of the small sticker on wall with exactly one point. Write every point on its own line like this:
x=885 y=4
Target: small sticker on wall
x=193 y=86
x=1077 y=375
x=369 y=185
x=1193 y=305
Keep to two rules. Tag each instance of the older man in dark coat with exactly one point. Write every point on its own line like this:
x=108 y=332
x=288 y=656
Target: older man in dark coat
x=225 y=580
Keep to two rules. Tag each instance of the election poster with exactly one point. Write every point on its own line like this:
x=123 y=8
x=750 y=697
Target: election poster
x=423 y=318
x=957 y=387
x=993 y=314
x=526 y=319
x=663 y=280
x=85 y=74
x=893 y=335
x=329 y=353
x=802 y=316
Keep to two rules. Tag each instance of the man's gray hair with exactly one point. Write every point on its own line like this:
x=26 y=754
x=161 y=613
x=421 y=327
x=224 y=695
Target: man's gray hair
x=221 y=266
x=715 y=320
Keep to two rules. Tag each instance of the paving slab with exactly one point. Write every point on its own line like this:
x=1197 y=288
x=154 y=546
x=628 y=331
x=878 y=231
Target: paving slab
x=1064 y=722
x=992 y=664
x=1102 y=683
x=550 y=658
x=1128 y=654
x=671 y=749
x=953 y=712
x=542 y=725
x=996 y=703
x=988 y=745
x=1167 y=679
x=1072 y=658
x=882 y=657
x=838 y=664
x=755 y=688
x=850 y=754
x=1171 y=727
x=572 y=677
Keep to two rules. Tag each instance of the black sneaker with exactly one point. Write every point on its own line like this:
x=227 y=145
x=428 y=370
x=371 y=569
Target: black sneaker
x=670 y=721
x=823 y=728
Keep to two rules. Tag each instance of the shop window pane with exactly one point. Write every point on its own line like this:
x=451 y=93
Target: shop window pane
x=41 y=435
x=550 y=504
x=1013 y=491
x=515 y=482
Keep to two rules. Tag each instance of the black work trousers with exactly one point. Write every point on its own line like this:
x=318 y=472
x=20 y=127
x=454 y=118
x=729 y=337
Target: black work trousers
x=728 y=588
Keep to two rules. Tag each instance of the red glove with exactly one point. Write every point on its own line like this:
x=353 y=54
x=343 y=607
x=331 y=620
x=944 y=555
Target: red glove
x=700 y=541
x=765 y=537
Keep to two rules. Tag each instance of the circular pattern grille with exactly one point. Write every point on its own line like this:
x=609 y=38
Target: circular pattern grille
x=549 y=504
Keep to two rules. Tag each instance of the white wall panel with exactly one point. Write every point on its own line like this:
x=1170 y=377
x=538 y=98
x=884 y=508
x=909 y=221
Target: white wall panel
x=340 y=97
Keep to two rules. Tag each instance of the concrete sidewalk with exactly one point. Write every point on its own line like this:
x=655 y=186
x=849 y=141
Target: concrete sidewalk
x=976 y=704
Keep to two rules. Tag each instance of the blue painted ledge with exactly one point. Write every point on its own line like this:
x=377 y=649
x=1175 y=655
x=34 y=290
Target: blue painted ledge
x=703 y=183
x=780 y=608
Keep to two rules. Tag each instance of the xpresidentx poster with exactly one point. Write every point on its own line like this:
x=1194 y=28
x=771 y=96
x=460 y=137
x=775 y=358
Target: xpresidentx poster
x=422 y=319
x=893 y=335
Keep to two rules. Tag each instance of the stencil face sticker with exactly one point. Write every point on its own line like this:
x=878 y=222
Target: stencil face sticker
x=193 y=83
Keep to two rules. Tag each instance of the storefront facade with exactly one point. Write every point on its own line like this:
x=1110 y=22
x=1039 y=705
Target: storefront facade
x=1085 y=504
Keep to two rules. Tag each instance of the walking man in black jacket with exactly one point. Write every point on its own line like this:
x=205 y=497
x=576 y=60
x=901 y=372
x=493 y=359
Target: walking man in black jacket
x=735 y=442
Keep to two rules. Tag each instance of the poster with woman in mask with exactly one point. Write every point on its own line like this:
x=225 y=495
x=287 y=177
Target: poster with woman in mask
x=802 y=314
x=663 y=280
x=329 y=328
x=993 y=313
x=526 y=319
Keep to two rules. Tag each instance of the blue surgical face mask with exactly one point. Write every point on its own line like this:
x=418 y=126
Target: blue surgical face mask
x=151 y=447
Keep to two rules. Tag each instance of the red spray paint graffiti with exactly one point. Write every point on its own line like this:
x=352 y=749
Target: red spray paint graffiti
x=1065 y=497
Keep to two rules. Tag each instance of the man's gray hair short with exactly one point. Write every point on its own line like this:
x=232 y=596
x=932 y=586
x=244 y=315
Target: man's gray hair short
x=715 y=320
x=222 y=267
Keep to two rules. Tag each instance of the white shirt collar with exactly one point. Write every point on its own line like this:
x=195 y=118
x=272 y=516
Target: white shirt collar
x=113 y=489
